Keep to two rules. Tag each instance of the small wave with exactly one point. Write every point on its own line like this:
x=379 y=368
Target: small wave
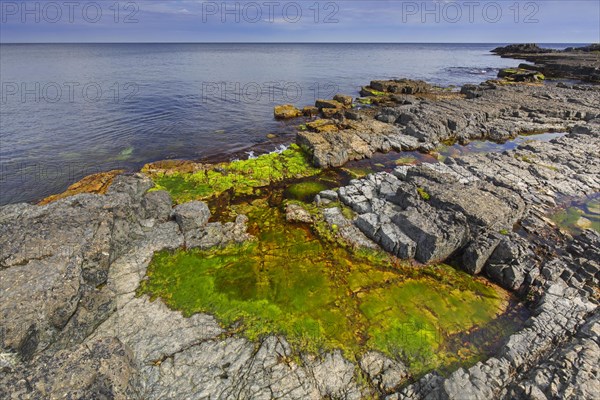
x=471 y=70
x=280 y=149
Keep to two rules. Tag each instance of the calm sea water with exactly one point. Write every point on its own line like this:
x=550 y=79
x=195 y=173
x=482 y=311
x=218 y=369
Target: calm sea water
x=71 y=110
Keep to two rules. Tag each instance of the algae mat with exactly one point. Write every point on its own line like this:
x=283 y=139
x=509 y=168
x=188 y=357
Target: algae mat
x=241 y=177
x=321 y=295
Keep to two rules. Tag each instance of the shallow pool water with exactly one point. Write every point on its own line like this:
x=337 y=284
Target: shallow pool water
x=299 y=281
x=579 y=214
x=389 y=161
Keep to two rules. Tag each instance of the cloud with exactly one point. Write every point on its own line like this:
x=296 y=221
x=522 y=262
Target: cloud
x=363 y=21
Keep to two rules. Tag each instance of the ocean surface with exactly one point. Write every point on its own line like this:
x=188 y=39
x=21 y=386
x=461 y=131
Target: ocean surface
x=69 y=110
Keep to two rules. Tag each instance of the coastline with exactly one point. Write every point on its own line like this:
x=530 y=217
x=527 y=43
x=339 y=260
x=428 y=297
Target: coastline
x=462 y=209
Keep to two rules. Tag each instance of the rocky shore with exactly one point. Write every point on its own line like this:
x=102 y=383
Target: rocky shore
x=74 y=324
x=581 y=63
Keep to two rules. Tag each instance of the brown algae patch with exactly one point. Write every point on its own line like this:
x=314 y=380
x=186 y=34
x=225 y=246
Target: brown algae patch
x=322 y=295
x=96 y=184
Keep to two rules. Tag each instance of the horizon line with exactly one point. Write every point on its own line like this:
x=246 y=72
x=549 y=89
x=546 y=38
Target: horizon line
x=169 y=42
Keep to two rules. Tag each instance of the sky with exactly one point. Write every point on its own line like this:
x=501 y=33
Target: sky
x=437 y=21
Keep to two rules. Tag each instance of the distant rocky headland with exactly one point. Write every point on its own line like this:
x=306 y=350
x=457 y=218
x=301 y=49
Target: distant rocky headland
x=373 y=258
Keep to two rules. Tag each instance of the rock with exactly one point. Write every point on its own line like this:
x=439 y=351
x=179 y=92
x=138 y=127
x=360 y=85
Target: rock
x=192 y=215
x=580 y=64
x=72 y=325
x=353 y=115
x=521 y=75
x=383 y=372
x=218 y=234
x=343 y=99
x=96 y=183
x=401 y=86
x=322 y=126
x=332 y=113
x=158 y=205
x=478 y=252
x=329 y=195
x=321 y=104
x=487 y=112
x=345 y=228
x=102 y=369
x=437 y=234
x=310 y=111
x=334 y=376
x=509 y=263
x=286 y=111
x=371 y=93
x=520 y=49
x=295 y=213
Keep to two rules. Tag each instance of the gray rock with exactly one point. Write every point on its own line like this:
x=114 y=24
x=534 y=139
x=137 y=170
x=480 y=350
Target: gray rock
x=437 y=234
x=158 y=204
x=192 y=215
x=478 y=252
x=329 y=195
x=101 y=369
x=384 y=373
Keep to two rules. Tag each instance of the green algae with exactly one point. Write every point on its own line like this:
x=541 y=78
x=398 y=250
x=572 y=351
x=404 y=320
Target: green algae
x=243 y=177
x=357 y=172
x=408 y=160
x=305 y=191
x=423 y=193
x=298 y=281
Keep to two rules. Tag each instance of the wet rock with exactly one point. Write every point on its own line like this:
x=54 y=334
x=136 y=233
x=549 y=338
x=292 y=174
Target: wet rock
x=520 y=75
x=343 y=99
x=321 y=104
x=286 y=111
x=310 y=111
x=322 y=126
x=332 y=113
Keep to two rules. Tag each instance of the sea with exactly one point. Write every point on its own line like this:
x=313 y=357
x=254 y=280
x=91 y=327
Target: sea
x=70 y=110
